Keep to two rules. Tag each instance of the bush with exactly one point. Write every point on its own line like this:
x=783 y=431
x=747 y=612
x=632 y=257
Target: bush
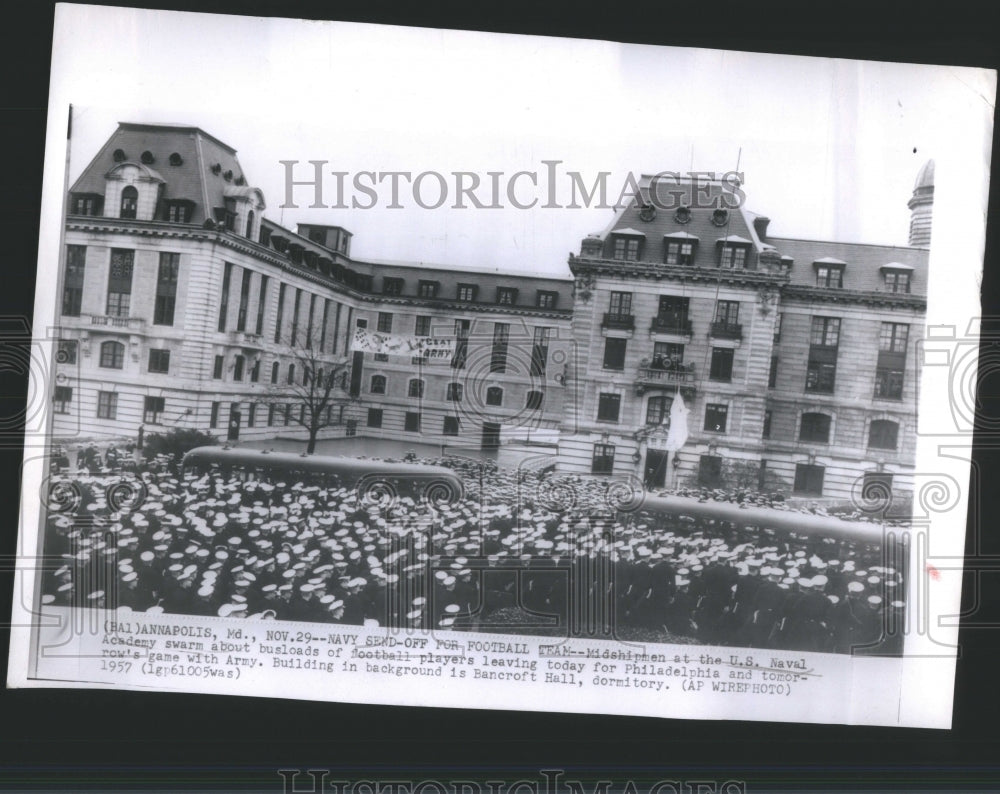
x=176 y=442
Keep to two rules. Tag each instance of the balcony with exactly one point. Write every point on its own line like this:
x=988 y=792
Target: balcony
x=624 y=322
x=680 y=377
x=670 y=324
x=122 y=323
x=724 y=330
x=246 y=339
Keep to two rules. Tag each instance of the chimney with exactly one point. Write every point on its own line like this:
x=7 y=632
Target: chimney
x=760 y=226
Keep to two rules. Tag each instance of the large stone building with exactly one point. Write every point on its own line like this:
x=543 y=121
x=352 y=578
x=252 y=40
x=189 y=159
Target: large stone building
x=183 y=306
x=795 y=358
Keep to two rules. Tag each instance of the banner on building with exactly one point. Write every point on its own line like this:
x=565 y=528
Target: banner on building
x=431 y=347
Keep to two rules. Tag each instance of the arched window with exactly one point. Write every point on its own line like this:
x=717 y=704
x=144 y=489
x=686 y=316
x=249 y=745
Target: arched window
x=377 y=384
x=533 y=400
x=112 y=355
x=416 y=388
x=815 y=427
x=291 y=374
x=274 y=372
x=250 y=224
x=130 y=202
x=494 y=395
x=883 y=434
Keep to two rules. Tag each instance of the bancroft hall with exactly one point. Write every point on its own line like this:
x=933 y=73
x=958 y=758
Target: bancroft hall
x=795 y=360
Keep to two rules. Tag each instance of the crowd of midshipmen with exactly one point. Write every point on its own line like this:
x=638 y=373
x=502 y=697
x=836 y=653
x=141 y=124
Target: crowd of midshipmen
x=505 y=554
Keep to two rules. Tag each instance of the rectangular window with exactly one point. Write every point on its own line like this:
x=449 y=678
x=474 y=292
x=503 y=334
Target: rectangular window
x=722 y=364
x=533 y=400
x=281 y=313
x=213 y=418
x=159 y=360
x=428 y=289
x=678 y=253
x=546 y=299
x=67 y=351
x=667 y=355
x=326 y=322
x=294 y=340
x=767 y=425
x=217 y=368
x=270 y=415
x=450 y=426
x=227 y=277
x=61 y=399
x=392 y=286
x=498 y=357
x=893 y=337
x=777 y=328
x=815 y=427
x=384 y=324
x=412 y=422
x=614 y=353
x=76 y=259
x=829 y=277
x=821 y=371
x=608 y=407
x=112 y=355
x=311 y=326
x=152 y=410
x=461 y=344
x=604 y=459
x=453 y=392
x=166 y=289
x=825 y=331
x=120 y=282
x=286 y=413
x=540 y=351
x=658 y=409
x=255 y=371
x=350 y=427
x=883 y=434
x=889 y=379
x=733 y=257
x=626 y=248
x=422 y=326
x=772 y=376
x=178 y=212
x=897 y=282
x=809 y=479
x=727 y=312
x=672 y=315
x=710 y=471
x=239 y=363
x=621 y=304
x=506 y=296
x=241 y=315
x=467 y=293
x=251 y=414
x=716 y=416
x=374 y=417
x=107 y=405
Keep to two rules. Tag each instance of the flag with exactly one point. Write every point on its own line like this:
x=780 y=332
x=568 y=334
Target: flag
x=678 y=434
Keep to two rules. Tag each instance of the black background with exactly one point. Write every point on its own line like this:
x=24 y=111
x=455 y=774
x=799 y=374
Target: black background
x=105 y=740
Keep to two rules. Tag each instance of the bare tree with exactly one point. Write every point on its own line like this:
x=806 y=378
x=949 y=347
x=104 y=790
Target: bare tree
x=311 y=387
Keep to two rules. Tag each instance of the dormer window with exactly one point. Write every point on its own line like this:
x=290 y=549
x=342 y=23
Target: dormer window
x=87 y=204
x=830 y=272
x=428 y=289
x=678 y=248
x=829 y=277
x=627 y=245
x=547 y=299
x=506 y=296
x=392 y=286
x=178 y=210
x=129 y=203
x=733 y=256
x=897 y=277
x=467 y=293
